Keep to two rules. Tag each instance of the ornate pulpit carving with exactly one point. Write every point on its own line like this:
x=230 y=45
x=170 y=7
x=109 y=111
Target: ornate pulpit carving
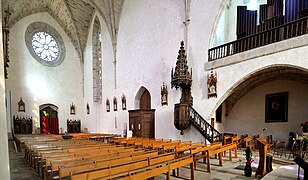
x=181 y=77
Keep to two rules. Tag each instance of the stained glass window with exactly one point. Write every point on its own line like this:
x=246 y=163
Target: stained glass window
x=97 y=61
x=45 y=46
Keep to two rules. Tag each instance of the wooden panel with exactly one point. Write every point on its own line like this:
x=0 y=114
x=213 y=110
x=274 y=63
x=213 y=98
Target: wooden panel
x=251 y=22
x=241 y=21
x=263 y=13
x=141 y=122
x=291 y=10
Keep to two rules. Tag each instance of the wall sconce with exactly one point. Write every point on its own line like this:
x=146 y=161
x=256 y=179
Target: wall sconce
x=107 y=105
x=164 y=95
x=123 y=102
x=115 y=104
x=21 y=106
x=72 y=109
x=88 y=108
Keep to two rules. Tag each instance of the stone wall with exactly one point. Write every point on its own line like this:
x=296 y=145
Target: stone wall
x=38 y=84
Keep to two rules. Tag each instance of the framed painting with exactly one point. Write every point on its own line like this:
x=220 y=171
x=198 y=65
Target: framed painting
x=276 y=107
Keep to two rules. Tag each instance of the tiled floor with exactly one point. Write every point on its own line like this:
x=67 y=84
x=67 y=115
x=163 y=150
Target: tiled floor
x=231 y=170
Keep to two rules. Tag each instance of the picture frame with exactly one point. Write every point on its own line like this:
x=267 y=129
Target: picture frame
x=276 y=107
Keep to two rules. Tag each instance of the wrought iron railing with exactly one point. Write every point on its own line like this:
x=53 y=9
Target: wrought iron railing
x=208 y=131
x=279 y=33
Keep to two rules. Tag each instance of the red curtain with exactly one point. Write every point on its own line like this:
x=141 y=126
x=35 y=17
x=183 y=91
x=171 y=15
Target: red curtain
x=44 y=125
x=49 y=126
x=54 y=126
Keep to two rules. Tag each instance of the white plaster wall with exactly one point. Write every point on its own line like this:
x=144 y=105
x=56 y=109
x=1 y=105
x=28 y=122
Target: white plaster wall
x=4 y=165
x=144 y=55
x=248 y=115
x=148 y=41
x=38 y=84
x=98 y=120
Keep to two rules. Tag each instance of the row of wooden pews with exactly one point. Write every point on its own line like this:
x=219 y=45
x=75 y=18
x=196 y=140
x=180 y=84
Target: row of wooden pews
x=121 y=158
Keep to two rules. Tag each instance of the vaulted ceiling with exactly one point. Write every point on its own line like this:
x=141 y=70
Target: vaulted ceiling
x=75 y=16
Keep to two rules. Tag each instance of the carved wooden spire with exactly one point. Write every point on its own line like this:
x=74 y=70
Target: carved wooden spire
x=181 y=75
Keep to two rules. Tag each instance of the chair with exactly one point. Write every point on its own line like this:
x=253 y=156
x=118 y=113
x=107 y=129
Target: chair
x=269 y=139
x=242 y=141
x=296 y=148
x=304 y=148
x=254 y=140
x=280 y=147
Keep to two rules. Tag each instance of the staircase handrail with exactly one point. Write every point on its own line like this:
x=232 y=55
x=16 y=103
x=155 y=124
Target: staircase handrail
x=208 y=125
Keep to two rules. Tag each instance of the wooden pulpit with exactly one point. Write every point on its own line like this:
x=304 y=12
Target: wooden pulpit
x=262 y=146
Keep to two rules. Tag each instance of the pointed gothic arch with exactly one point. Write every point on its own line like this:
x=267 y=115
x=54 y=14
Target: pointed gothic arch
x=142 y=99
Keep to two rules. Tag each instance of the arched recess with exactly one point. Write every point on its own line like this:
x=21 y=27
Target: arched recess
x=143 y=99
x=257 y=78
x=49 y=122
x=142 y=118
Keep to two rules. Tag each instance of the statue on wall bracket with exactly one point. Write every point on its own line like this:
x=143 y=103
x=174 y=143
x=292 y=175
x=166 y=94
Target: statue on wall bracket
x=181 y=77
x=21 y=106
x=115 y=104
x=212 y=84
x=72 y=109
x=107 y=105
x=164 y=95
x=88 y=108
x=123 y=102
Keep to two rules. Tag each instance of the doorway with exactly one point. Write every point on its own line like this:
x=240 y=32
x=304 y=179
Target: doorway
x=142 y=119
x=49 y=121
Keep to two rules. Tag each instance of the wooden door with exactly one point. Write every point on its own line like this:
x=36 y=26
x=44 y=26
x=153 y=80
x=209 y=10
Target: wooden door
x=148 y=127
x=145 y=100
x=49 y=122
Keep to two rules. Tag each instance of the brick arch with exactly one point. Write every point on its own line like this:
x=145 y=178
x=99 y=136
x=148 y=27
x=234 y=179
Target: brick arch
x=257 y=78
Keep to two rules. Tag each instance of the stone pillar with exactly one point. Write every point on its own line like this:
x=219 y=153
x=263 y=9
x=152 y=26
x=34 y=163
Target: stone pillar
x=4 y=165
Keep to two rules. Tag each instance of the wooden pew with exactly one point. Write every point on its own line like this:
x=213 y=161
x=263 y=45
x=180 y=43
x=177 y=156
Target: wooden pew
x=120 y=168
x=79 y=150
x=219 y=151
x=110 y=170
x=152 y=171
x=80 y=157
x=195 y=152
x=65 y=170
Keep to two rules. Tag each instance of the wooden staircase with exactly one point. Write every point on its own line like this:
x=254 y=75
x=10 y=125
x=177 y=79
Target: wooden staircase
x=208 y=131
